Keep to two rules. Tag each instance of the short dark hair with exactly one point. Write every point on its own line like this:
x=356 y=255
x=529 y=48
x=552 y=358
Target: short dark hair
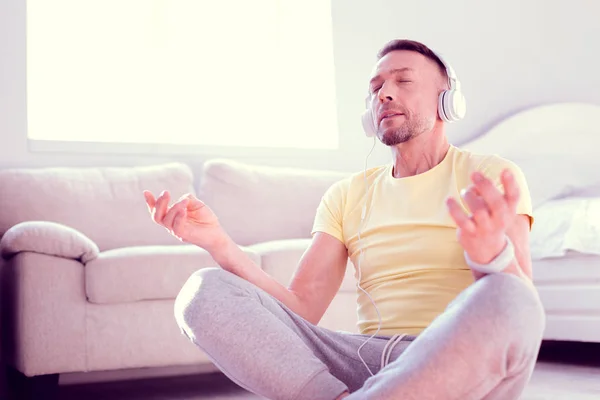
x=412 y=45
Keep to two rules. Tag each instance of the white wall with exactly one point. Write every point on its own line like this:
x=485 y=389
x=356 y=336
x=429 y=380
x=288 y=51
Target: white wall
x=509 y=56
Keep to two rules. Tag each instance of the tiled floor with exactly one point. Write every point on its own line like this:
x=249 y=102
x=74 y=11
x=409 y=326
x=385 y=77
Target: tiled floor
x=564 y=372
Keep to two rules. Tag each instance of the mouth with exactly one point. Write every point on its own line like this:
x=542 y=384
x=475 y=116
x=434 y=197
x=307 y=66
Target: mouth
x=387 y=116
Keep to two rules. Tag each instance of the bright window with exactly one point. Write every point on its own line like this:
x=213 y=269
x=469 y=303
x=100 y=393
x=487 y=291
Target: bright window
x=236 y=73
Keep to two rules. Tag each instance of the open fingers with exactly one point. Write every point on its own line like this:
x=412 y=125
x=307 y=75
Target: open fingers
x=459 y=216
x=178 y=222
x=161 y=206
x=473 y=199
x=511 y=191
x=150 y=200
x=492 y=197
x=173 y=211
x=479 y=209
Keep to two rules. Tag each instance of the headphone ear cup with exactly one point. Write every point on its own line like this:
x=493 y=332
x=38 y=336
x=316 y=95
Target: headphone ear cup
x=441 y=110
x=368 y=124
x=452 y=106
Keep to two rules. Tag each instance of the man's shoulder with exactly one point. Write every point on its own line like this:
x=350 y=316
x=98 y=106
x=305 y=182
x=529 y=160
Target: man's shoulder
x=490 y=165
x=357 y=182
x=366 y=175
x=366 y=178
x=475 y=161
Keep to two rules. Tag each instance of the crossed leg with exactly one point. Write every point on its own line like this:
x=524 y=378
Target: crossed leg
x=484 y=346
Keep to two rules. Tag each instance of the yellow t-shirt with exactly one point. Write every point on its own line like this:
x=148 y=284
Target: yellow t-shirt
x=412 y=264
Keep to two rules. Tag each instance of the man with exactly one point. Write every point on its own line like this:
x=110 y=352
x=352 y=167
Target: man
x=421 y=232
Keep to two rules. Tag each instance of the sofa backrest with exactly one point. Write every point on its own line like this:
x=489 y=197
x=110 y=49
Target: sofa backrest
x=257 y=204
x=106 y=204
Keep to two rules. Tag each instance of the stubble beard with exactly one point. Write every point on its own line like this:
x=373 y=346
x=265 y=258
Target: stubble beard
x=410 y=129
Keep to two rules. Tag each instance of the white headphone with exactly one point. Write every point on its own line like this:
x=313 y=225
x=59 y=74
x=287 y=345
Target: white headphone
x=452 y=106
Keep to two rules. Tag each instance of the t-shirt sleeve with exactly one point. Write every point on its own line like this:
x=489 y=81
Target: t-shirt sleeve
x=330 y=212
x=493 y=170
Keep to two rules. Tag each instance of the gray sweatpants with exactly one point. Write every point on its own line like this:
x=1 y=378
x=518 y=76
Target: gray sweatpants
x=483 y=346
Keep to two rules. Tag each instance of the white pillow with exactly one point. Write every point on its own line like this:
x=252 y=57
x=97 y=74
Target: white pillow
x=558 y=176
x=569 y=224
x=257 y=204
x=106 y=204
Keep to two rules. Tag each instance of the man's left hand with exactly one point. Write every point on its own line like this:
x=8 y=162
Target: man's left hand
x=482 y=234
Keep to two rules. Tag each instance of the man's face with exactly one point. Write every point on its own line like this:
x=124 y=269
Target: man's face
x=403 y=98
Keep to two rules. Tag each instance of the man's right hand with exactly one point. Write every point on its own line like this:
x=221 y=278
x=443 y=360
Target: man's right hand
x=189 y=220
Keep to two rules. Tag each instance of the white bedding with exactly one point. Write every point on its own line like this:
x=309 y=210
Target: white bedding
x=556 y=146
x=569 y=288
x=566 y=225
x=574 y=269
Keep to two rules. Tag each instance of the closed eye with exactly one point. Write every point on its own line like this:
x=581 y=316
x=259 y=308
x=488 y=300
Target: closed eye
x=377 y=88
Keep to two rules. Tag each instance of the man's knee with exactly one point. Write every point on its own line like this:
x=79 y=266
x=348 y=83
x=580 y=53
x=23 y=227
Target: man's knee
x=195 y=303
x=513 y=304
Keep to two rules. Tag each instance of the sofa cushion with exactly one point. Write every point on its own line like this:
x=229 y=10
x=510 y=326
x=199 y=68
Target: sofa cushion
x=259 y=203
x=145 y=272
x=105 y=204
x=280 y=258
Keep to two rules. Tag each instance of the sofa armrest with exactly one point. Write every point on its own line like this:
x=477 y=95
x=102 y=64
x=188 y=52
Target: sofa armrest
x=43 y=314
x=48 y=238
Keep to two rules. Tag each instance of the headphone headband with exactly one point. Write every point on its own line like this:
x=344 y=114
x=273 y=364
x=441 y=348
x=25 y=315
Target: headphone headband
x=452 y=78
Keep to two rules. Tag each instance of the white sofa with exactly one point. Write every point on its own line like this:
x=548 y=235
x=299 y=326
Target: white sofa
x=89 y=281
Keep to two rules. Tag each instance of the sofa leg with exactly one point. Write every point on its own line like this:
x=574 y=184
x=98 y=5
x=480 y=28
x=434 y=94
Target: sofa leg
x=22 y=387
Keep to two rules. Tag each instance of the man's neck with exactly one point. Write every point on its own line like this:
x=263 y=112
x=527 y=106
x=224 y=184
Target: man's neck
x=420 y=154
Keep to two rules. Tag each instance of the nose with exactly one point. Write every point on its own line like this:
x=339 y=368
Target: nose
x=386 y=93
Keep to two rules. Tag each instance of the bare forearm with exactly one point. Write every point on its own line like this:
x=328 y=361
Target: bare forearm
x=231 y=258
